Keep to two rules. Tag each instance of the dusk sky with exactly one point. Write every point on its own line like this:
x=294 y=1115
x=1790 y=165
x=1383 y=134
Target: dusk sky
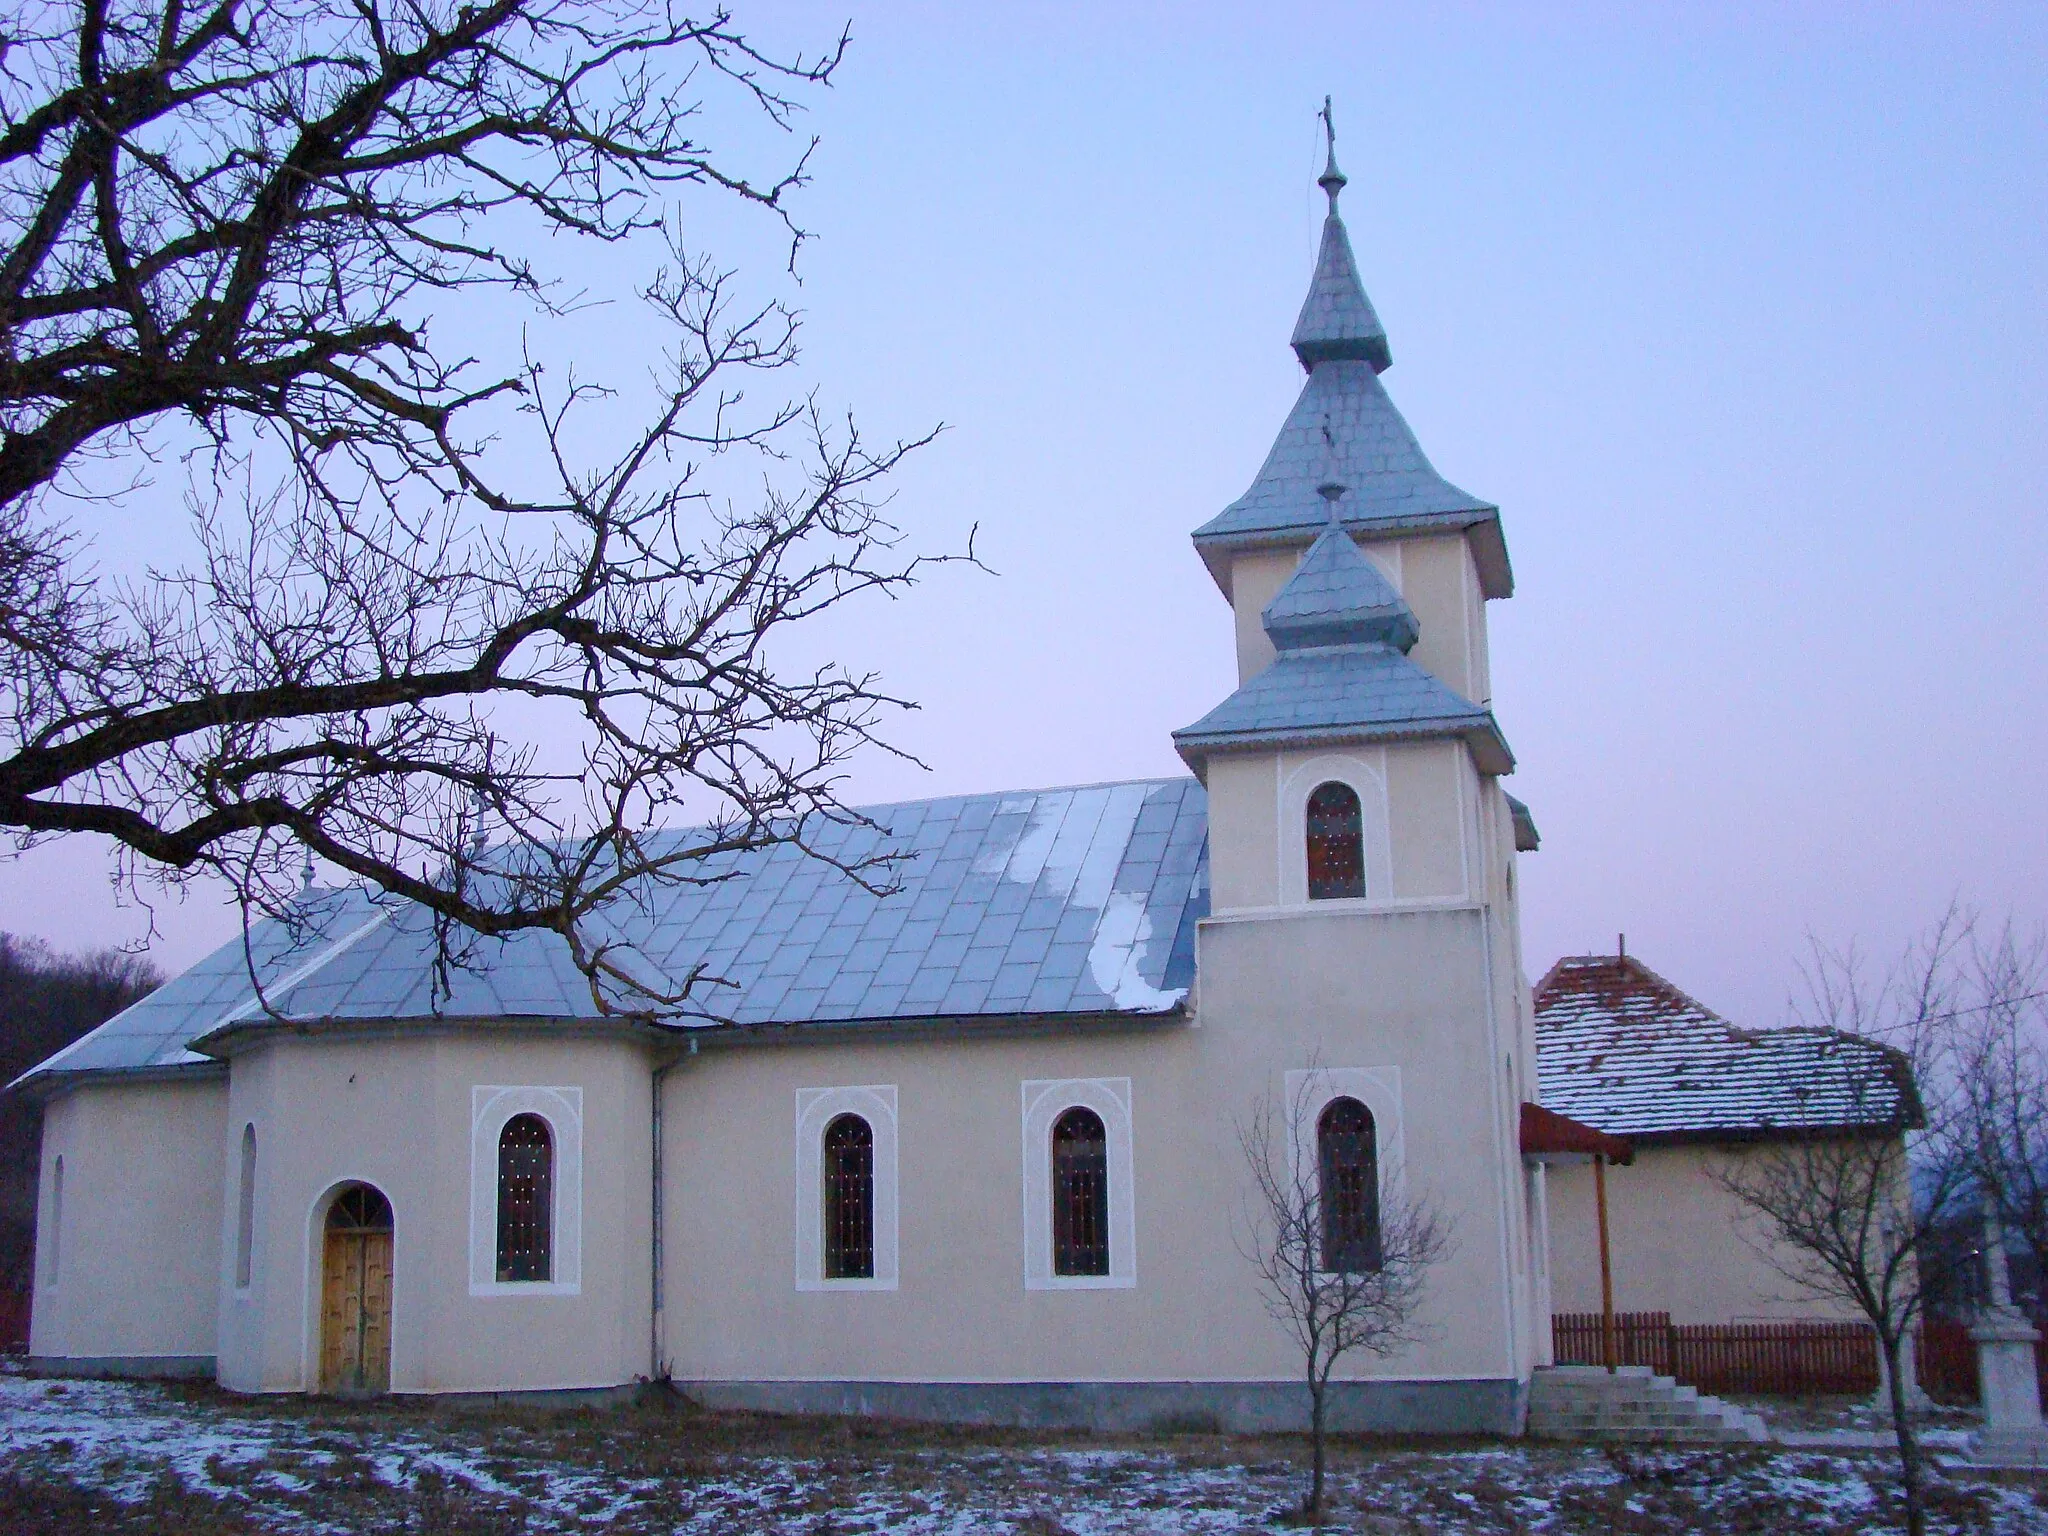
x=1738 y=313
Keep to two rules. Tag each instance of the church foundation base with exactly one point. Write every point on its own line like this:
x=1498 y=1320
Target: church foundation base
x=1477 y=1407
x=135 y=1367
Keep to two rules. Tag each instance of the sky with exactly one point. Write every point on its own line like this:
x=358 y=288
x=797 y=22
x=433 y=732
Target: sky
x=1737 y=312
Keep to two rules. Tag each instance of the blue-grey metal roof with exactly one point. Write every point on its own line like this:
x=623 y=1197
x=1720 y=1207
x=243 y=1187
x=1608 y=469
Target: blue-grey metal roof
x=155 y=1032
x=1527 y=839
x=1343 y=693
x=1337 y=596
x=1337 y=319
x=1344 y=427
x=1078 y=902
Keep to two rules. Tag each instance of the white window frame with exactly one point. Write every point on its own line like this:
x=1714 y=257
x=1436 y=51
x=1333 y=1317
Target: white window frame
x=816 y=1109
x=490 y=1107
x=1378 y=1089
x=1044 y=1101
x=1366 y=774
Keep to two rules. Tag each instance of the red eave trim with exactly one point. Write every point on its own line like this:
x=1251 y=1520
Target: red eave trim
x=1547 y=1133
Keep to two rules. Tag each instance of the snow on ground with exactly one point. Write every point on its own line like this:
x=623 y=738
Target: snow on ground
x=293 y=1466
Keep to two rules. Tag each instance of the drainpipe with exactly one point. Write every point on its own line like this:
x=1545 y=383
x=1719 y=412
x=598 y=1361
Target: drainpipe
x=657 y=1368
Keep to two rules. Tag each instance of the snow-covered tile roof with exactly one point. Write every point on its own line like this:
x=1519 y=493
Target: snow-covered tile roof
x=1625 y=1051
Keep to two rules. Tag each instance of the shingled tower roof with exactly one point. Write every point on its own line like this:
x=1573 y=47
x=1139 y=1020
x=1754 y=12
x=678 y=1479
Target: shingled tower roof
x=1337 y=596
x=1342 y=673
x=1345 y=428
x=1337 y=319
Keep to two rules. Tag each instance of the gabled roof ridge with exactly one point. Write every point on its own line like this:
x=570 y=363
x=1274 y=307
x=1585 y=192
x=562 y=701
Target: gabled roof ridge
x=1629 y=962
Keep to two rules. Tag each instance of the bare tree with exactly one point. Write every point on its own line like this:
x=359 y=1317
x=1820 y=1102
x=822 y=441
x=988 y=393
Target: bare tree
x=432 y=632
x=1340 y=1249
x=1862 y=1216
x=2000 y=1071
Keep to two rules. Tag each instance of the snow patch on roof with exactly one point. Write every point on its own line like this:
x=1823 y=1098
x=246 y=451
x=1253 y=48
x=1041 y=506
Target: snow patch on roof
x=1623 y=1050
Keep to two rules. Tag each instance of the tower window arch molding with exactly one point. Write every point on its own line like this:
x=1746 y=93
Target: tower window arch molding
x=1318 y=796
x=846 y=1198
x=525 y=1191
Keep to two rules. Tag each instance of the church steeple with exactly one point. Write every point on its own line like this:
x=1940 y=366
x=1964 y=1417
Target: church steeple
x=1345 y=430
x=1337 y=319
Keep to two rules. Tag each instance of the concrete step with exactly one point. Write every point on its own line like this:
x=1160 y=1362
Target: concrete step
x=1632 y=1404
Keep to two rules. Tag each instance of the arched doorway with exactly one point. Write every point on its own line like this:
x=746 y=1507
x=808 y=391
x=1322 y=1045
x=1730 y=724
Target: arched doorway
x=355 y=1293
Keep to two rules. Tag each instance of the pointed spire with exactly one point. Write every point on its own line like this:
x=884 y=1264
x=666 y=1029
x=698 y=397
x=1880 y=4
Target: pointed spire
x=1338 y=597
x=1332 y=181
x=1337 y=319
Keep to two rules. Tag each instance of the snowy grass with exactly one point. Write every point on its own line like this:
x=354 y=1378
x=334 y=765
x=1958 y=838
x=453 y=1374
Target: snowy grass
x=105 y=1458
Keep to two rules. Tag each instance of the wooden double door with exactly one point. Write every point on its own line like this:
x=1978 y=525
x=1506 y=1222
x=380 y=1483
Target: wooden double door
x=355 y=1294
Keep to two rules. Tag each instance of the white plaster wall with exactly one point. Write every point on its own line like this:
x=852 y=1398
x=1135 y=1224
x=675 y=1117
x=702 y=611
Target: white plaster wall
x=397 y=1113
x=139 y=1251
x=1422 y=804
x=1355 y=989
x=1680 y=1244
x=1255 y=580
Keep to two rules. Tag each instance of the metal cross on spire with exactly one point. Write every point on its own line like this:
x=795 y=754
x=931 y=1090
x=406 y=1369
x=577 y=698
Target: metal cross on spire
x=1332 y=180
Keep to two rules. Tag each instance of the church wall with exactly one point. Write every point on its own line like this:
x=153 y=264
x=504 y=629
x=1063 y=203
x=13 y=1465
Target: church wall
x=127 y=1254
x=402 y=1114
x=1255 y=580
x=1421 y=804
x=1430 y=810
x=1658 y=1210
x=1360 y=991
x=1439 y=581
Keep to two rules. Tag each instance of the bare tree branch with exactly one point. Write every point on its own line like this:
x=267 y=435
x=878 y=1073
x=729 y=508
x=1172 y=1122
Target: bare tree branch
x=1862 y=1218
x=240 y=219
x=1367 y=1298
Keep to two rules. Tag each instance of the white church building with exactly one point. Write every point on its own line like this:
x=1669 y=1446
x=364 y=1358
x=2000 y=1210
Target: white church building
x=968 y=1150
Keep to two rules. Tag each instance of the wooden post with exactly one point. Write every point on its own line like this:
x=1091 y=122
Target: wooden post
x=1608 y=1353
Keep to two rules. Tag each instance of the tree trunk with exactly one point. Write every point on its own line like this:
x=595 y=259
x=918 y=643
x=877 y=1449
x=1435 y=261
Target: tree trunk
x=1313 y=1505
x=1909 y=1447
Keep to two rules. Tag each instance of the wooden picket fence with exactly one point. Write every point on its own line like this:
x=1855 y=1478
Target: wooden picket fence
x=1794 y=1359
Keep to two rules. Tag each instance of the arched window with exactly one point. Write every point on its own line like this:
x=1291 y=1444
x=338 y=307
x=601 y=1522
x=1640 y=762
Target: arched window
x=54 y=1231
x=359 y=1208
x=849 y=1199
x=526 y=1199
x=1348 y=1154
x=1336 y=843
x=1080 y=1194
x=245 y=1210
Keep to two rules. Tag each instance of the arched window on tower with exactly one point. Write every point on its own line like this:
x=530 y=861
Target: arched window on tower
x=1080 y=1194
x=849 y=1199
x=526 y=1199
x=1336 y=843
x=1347 y=1152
